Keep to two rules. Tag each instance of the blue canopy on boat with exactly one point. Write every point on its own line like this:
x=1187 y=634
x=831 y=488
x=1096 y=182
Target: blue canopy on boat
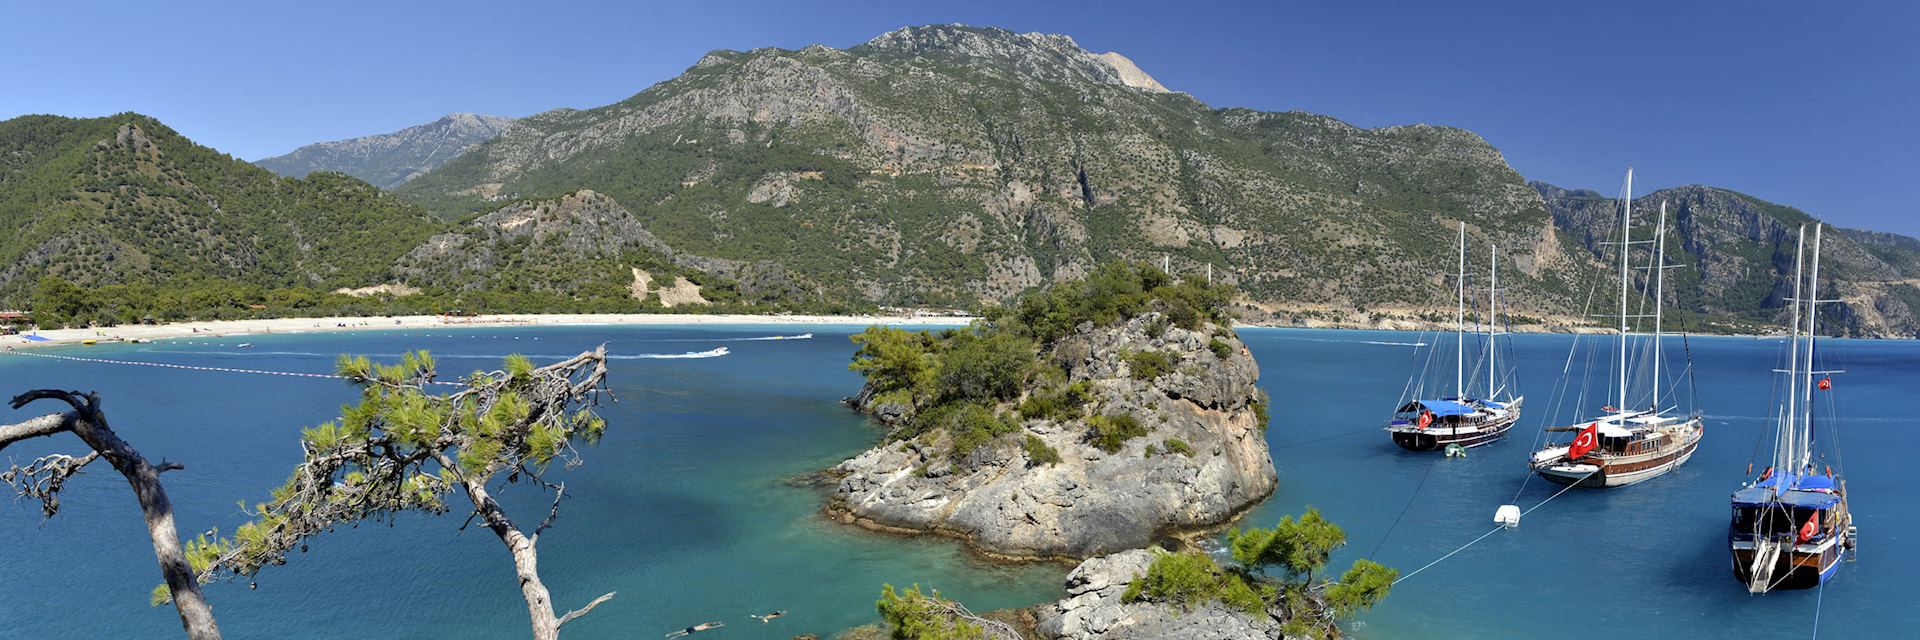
x=1806 y=492
x=1495 y=405
x=1444 y=408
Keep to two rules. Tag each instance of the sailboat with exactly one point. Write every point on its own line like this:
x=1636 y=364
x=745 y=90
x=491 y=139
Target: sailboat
x=1625 y=445
x=1791 y=526
x=1461 y=421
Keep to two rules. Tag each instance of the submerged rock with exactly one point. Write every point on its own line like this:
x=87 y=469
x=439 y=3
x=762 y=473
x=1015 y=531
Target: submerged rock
x=1202 y=460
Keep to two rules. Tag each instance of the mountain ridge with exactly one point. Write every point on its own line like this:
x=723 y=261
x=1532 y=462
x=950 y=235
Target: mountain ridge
x=389 y=160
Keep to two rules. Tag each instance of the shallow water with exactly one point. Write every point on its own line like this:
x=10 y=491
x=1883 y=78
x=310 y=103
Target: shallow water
x=687 y=510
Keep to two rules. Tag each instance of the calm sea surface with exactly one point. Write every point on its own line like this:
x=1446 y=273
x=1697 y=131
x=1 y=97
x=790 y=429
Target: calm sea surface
x=687 y=508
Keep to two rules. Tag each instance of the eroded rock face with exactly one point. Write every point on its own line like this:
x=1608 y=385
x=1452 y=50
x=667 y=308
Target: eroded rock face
x=1092 y=502
x=1093 y=609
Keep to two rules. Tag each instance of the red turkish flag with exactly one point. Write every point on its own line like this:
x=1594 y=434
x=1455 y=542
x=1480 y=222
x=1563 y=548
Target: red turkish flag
x=1426 y=418
x=1826 y=384
x=1586 y=441
x=1807 y=530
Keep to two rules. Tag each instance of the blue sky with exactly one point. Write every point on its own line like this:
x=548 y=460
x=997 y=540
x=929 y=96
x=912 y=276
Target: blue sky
x=1808 y=104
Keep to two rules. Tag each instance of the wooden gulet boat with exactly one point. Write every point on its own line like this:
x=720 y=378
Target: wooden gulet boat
x=1626 y=446
x=1791 y=527
x=1462 y=420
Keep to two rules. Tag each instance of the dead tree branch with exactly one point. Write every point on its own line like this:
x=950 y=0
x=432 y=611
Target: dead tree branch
x=86 y=421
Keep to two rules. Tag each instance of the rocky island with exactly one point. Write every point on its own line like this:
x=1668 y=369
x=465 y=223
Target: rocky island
x=1089 y=418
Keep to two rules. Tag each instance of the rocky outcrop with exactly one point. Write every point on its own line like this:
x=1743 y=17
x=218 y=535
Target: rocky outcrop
x=1094 y=609
x=1202 y=460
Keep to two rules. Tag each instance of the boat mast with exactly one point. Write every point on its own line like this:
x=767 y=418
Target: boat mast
x=1659 y=282
x=1493 y=284
x=1460 y=322
x=1806 y=386
x=1785 y=449
x=1626 y=235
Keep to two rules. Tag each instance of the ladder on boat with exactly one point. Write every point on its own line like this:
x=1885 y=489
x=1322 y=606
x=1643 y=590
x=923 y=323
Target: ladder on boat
x=1766 y=555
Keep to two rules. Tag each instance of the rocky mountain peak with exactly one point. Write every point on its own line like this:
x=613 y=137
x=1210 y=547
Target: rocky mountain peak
x=1048 y=54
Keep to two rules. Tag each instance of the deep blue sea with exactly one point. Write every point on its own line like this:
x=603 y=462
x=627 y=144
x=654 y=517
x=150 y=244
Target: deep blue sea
x=687 y=507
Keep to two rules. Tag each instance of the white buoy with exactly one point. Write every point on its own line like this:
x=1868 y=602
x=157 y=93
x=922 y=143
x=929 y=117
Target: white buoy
x=1508 y=515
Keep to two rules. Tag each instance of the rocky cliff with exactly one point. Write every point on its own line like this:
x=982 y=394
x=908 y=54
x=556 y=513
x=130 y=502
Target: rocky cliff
x=1738 y=252
x=1198 y=458
x=391 y=159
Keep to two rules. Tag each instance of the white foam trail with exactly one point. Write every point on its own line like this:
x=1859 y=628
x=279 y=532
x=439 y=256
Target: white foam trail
x=1394 y=344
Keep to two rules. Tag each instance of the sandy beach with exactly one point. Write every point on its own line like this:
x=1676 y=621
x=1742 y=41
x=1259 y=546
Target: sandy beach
x=126 y=333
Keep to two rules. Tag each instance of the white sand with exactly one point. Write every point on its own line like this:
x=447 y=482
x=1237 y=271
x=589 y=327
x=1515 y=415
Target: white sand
x=312 y=325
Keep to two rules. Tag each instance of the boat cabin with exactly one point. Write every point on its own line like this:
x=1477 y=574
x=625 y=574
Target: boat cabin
x=1779 y=506
x=1449 y=412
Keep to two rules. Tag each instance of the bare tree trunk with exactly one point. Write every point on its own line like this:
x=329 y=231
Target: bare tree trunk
x=86 y=421
x=526 y=561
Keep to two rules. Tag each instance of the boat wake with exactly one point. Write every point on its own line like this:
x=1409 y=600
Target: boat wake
x=803 y=336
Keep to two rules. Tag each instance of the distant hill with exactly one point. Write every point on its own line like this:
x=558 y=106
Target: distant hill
x=390 y=160
x=124 y=199
x=122 y=219
x=1742 y=249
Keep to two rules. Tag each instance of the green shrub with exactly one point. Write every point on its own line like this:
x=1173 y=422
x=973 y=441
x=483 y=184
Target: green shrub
x=1189 y=579
x=1147 y=365
x=1040 y=452
x=1179 y=446
x=1362 y=586
x=916 y=616
x=973 y=426
x=1058 y=404
x=1260 y=409
x=990 y=368
x=1220 y=348
x=1112 y=432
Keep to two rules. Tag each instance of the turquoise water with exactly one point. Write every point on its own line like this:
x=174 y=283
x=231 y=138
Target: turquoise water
x=687 y=510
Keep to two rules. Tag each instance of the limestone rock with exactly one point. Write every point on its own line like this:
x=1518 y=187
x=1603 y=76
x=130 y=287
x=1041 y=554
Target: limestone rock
x=1093 y=609
x=1092 y=502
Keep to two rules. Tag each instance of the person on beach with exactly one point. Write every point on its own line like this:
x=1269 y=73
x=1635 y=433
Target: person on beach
x=764 y=619
x=696 y=629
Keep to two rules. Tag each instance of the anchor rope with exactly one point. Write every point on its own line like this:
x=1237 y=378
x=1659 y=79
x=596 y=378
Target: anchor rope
x=1404 y=509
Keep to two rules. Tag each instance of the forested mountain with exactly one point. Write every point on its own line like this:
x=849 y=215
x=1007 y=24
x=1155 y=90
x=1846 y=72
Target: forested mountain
x=124 y=200
x=950 y=165
x=121 y=219
x=389 y=160
x=1740 y=253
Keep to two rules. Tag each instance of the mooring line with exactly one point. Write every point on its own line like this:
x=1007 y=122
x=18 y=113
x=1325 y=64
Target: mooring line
x=188 y=367
x=1495 y=530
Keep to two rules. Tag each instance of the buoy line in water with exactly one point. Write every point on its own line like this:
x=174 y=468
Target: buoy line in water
x=188 y=367
x=1495 y=530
